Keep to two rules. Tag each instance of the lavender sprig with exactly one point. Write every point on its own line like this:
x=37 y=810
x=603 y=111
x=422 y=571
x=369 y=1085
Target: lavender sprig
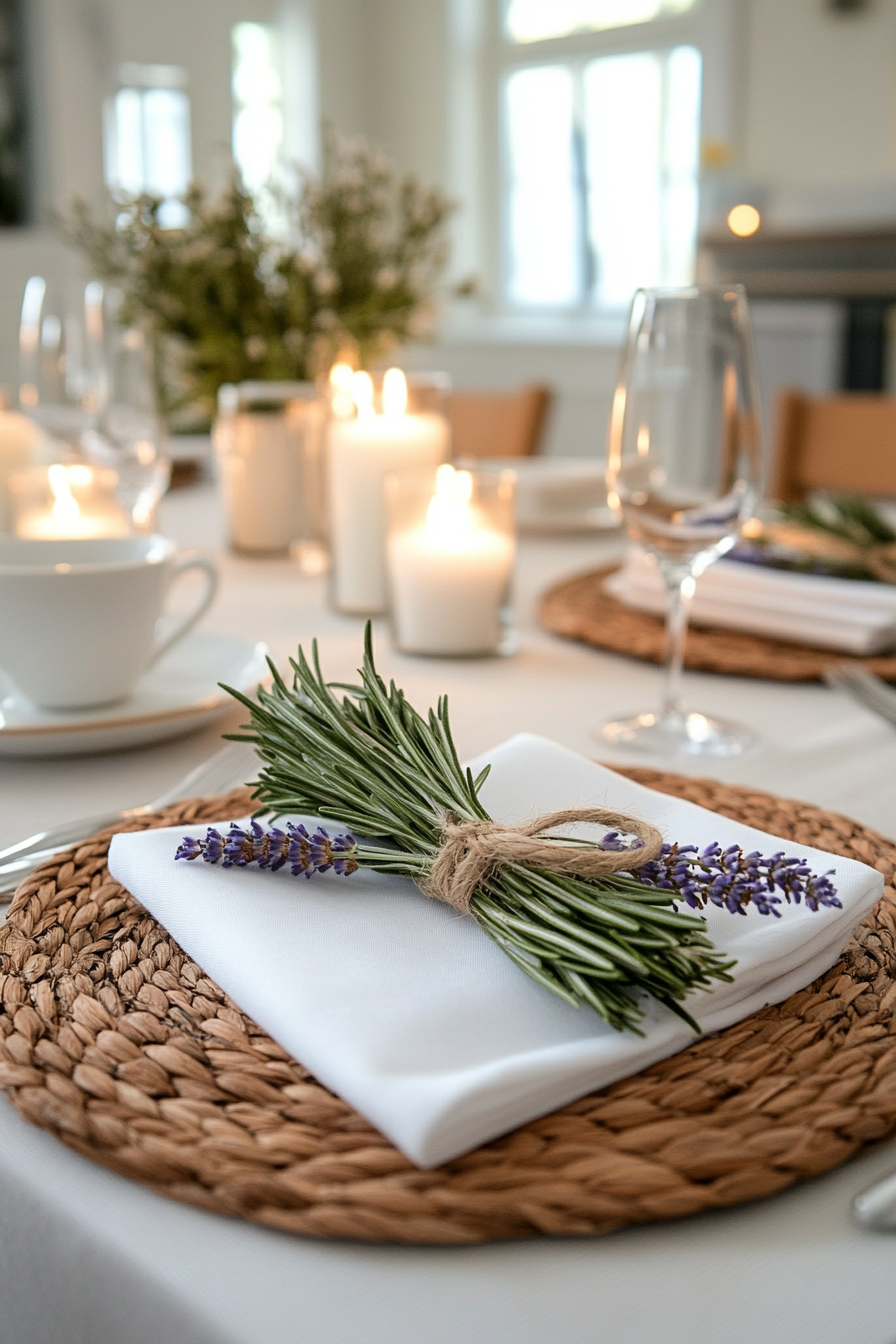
x=305 y=853
x=732 y=880
x=727 y=878
x=364 y=754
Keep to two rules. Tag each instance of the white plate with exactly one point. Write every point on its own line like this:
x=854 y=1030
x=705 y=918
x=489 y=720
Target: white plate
x=557 y=494
x=181 y=693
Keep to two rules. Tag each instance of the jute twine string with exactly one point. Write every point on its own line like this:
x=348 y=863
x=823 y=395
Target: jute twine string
x=580 y=609
x=114 y=1040
x=472 y=849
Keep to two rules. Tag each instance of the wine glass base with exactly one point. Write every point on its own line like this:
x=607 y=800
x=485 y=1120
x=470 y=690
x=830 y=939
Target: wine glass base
x=684 y=734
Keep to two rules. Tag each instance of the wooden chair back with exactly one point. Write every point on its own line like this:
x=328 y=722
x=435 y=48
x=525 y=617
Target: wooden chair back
x=498 y=424
x=844 y=443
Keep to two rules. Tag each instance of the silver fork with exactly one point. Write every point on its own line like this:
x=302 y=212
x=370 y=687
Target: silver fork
x=223 y=771
x=859 y=684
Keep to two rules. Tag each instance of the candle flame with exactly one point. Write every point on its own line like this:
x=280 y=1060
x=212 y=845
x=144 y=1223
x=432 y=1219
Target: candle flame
x=449 y=513
x=66 y=509
x=643 y=441
x=395 y=393
x=341 y=399
x=341 y=377
x=362 y=395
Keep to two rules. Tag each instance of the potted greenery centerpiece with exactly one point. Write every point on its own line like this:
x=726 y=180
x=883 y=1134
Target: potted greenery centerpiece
x=227 y=301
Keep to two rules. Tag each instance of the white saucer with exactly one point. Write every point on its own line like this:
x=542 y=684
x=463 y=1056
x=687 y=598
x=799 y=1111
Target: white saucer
x=181 y=693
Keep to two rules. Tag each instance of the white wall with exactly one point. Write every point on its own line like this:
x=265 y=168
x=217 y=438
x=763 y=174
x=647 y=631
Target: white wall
x=820 y=114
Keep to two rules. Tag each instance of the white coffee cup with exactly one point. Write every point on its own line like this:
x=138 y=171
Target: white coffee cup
x=78 y=618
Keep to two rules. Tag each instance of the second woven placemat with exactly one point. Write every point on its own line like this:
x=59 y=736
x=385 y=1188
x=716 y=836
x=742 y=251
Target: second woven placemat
x=113 y=1039
x=579 y=608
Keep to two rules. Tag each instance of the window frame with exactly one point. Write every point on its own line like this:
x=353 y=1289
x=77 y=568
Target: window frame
x=482 y=58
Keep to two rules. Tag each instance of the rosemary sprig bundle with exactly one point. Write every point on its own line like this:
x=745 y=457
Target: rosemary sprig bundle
x=371 y=760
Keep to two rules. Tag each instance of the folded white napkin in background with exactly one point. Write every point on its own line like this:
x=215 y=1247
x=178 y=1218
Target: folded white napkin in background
x=847 y=614
x=408 y=1011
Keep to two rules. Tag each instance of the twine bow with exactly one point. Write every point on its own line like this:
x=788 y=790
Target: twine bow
x=471 y=849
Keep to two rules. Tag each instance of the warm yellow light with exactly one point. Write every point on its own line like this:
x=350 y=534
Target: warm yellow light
x=449 y=514
x=744 y=220
x=342 y=401
x=66 y=509
x=341 y=377
x=643 y=441
x=395 y=393
x=77 y=474
x=752 y=527
x=362 y=394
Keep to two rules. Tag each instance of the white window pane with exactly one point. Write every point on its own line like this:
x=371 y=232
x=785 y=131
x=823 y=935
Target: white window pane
x=682 y=155
x=542 y=205
x=642 y=119
x=127 y=153
x=256 y=78
x=147 y=147
x=258 y=118
x=166 y=139
x=623 y=110
x=257 y=140
x=537 y=20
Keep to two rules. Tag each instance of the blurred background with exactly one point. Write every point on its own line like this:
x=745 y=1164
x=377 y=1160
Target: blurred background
x=590 y=145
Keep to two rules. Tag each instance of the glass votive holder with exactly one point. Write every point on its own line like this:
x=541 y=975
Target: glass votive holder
x=450 y=550
x=67 y=500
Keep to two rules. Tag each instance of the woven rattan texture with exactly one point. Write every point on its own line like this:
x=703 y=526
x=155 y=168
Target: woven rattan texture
x=580 y=609
x=113 y=1039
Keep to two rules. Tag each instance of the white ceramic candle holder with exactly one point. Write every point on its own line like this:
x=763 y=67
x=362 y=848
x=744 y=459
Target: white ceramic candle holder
x=269 y=439
x=450 y=555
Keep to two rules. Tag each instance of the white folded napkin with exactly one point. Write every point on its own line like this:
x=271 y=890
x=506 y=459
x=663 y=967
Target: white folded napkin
x=846 y=614
x=408 y=1011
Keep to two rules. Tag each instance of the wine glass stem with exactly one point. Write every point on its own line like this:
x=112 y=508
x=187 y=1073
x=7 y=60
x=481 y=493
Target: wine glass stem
x=681 y=590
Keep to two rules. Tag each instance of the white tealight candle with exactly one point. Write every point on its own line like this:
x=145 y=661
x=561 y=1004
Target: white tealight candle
x=450 y=578
x=362 y=451
x=21 y=443
x=95 y=514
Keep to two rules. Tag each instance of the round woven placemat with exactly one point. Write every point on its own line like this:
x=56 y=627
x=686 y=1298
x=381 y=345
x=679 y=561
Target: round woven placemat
x=579 y=608
x=113 y=1039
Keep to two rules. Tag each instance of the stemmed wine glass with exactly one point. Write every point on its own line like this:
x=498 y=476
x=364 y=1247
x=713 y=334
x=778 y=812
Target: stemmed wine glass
x=130 y=436
x=684 y=468
x=88 y=379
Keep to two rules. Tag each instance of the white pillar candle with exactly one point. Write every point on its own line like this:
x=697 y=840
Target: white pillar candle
x=361 y=452
x=450 y=578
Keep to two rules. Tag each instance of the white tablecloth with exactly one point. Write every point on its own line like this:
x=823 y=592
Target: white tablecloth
x=87 y=1257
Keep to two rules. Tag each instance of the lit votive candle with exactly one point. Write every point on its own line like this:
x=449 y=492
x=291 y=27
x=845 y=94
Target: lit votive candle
x=362 y=449
x=450 y=561
x=67 y=501
x=22 y=443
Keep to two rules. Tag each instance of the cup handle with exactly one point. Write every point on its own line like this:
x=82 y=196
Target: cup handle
x=182 y=565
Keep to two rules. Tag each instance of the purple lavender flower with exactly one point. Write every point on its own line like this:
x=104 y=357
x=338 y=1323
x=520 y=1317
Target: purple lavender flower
x=618 y=843
x=307 y=854
x=732 y=880
x=190 y=848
